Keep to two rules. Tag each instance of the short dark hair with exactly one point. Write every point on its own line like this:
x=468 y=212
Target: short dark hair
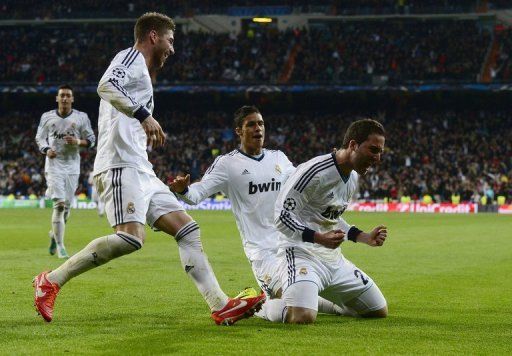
x=152 y=21
x=243 y=112
x=360 y=130
x=64 y=86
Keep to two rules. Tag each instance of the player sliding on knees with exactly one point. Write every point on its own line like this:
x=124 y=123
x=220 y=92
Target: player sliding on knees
x=308 y=215
x=126 y=182
x=252 y=176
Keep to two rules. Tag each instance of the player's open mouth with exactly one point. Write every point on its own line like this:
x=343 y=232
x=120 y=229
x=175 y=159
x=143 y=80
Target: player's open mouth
x=258 y=136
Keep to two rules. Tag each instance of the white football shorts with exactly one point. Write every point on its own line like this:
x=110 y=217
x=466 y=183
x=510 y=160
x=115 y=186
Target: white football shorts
x=61 y=186
x=267 y=273
x=134 y=196
x=305 y=277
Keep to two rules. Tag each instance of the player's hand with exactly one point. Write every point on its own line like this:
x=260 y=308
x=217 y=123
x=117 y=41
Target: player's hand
x=331 y=239
x=51 y=153
x=180 y=184
x=377 y=236
x=71 y=140
x=154 y=132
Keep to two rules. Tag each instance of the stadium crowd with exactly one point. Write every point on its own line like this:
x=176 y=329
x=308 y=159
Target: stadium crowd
x=428 y=153
x=57 y=9
x=402 y=50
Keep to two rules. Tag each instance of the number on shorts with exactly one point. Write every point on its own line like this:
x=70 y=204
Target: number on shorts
x=360 y=274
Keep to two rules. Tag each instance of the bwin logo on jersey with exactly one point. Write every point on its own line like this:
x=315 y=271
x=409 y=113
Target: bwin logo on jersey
x=332 y=213
x=264 y=187
x=58 y=136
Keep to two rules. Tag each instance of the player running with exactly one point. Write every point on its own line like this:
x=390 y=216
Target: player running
x=126 y=182
x=308 y=215
x=59 y=136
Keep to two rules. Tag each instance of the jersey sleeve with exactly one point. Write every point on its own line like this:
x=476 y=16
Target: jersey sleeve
x=86 y=131
x=214 y=180
x=287 y=209
x=343 y=225
x=288 y=167
x=42 y=136
x=112 y=88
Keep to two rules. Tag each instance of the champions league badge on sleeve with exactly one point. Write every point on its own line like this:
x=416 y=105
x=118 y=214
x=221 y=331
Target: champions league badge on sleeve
x=118 y=73
x=289 y=204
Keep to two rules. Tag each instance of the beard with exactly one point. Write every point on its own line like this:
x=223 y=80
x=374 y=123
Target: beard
x=159 y=59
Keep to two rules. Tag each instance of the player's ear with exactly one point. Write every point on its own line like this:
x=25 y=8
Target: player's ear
x=238 y=131
x=153 y=36
x=353 y=145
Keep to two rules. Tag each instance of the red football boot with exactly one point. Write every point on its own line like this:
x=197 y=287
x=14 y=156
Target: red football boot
x=238 y=308
x=44 y=297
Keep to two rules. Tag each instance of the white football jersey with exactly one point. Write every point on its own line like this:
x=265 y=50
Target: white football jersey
x=126 y=95
x=50 y=135
x=252 y=185
x=313 y=199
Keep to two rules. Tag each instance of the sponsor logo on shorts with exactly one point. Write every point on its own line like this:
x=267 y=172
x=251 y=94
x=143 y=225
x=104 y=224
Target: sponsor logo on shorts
x=130 y=209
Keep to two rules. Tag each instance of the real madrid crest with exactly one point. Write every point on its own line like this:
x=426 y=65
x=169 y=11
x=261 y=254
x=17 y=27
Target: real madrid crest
x=130 y=208
x=278 y=169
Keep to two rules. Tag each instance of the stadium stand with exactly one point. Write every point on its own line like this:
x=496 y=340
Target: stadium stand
x=58 y=9
x=438 y=153
x=401 y=50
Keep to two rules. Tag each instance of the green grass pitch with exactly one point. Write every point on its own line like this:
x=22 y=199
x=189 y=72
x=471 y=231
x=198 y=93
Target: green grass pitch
x=447 y=279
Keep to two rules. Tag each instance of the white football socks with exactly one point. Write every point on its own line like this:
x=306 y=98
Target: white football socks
x=96 y=253
x=58 y=225
x=67 y=212
x=327 y=307
x=197 y=267
x=272 y=310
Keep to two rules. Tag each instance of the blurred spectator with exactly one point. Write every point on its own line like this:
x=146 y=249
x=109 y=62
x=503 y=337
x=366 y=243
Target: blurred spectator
x=466 y=154
x=398 y=51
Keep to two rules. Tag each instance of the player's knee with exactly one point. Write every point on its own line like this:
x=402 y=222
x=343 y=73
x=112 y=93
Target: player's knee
x=133 y=229
x=380 y=313
x=189 y=235
x=59 y=206
x=296 y=315
x=132 y=240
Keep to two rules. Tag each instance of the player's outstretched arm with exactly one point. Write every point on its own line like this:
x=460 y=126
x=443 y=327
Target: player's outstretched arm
x=374 y=238
x=215 y=179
